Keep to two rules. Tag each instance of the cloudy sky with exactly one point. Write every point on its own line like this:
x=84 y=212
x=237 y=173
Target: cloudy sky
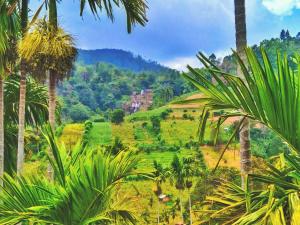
x=178 y=29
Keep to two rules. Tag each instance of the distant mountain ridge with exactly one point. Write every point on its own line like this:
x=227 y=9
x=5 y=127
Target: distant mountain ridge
x=120 y=58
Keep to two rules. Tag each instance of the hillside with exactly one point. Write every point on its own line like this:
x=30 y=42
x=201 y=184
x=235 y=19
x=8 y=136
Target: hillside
x=100 y=87
x=119 y=58
x=105 y=79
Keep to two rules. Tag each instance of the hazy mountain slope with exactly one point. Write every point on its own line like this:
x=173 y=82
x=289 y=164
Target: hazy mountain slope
x=119 y=58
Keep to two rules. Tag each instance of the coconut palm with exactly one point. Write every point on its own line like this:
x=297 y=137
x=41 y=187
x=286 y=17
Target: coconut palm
x=277 y=204
x=135 y=11
x=269 y=95
x=188 y=173
x=9 y=26
x=82 y=193
x=21 y=126
x=241 y=44
x=160 y=175
x=178 y=178
x=36 y=111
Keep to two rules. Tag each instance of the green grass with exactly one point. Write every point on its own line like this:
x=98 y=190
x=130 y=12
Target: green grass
x=145 y=115
x=175 y=131
x=165 y=158
x=100 y=134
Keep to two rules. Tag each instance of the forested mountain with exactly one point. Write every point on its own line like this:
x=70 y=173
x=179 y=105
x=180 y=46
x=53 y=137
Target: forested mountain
x=104 y=79
x=119 y=58
x=100 y=87
x=284 y=44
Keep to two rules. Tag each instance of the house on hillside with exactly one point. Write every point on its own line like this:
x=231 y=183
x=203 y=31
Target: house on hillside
x=139 y=101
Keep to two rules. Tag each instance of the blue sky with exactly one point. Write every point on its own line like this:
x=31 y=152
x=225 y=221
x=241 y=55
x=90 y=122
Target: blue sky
x=178 y=29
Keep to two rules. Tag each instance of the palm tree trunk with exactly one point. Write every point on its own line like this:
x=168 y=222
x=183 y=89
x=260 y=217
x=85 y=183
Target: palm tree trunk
x=52 y=107
x=181 y=208
x=52 y=99
x=1 y=130
x=52 y=80
x=190 y=206
x=158 y=212
x=22 y=102
x=241 y=43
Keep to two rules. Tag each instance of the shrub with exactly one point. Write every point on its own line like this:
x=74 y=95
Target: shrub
x=117 y=116
x=99 y=120
x=144 y=124
x=155 y=120
x=116 y=147
x=164 y=115
x=79 y=112
x=88 y=125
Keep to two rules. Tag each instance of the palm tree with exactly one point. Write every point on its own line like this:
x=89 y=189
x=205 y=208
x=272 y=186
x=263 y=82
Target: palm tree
x=52 y=72
x=9 y=26
x=36 y=112
x=135 y=11
x=269 y=95
x=160 y=175
x=188 y=173
x=82 y=193
x=178 y=178
x=21 y=130
x=241 y=44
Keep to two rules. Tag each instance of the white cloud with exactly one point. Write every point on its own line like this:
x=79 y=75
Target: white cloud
x=180 y=63
x=281 y=7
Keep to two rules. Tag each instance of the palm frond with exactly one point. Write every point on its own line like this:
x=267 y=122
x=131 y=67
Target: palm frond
x=135 y=10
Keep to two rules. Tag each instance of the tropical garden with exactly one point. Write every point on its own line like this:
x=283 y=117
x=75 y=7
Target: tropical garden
x=78 y=158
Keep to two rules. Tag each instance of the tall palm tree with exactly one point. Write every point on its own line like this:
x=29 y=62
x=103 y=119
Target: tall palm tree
x=21 y=126
x=36 y=112
x=135 y=11
x=178 y=178
x=269 y=95
x=8 y=29
x=52 y=73
x=241 y=44
x=160 y=175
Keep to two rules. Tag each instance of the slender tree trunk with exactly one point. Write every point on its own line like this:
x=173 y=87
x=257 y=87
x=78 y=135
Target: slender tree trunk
x=241 y=44
x=181 y=208
x=158 y=212
x=20 y=153
x=52 y=80
x=52 y=99
x=52 y=107
x=22 y=99
x=190 y=206
x=1 y=129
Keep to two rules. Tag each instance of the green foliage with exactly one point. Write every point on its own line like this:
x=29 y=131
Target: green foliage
x=155 y=121
x=36 y=112
x=146 y=115
x=116 y=147
x=84 y=191
x=135 y=10
x=104 y=86
x=117 y=116
x=265 y=143
x=100 y=134
x=277 y=203
x=79 y=112
x=88 y=125
x=267 y=95
x=46 y=47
